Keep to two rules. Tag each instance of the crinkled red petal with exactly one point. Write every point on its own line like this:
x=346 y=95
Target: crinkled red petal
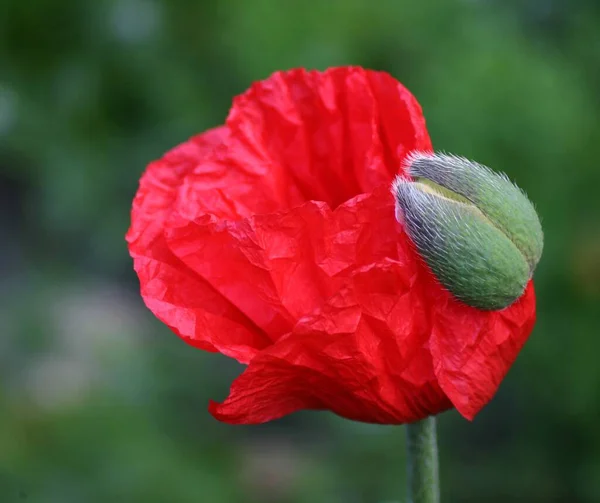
x=278 y=267
x=472 y=350
x=175 y=294
x=363 y=356
x=300 y=136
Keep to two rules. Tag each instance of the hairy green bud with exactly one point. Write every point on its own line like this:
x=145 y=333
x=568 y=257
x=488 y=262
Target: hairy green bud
x=476 y=230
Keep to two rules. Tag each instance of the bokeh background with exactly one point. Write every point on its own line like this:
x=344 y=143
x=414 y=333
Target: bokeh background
x=100 y=402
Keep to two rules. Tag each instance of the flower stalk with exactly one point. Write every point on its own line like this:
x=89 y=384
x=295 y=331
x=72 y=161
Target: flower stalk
x=422 y=461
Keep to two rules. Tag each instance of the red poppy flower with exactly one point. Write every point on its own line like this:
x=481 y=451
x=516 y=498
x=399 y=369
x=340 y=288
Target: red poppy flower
x=272 y=240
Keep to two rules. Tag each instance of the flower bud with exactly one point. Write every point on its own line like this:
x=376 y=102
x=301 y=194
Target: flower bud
x=474 y=228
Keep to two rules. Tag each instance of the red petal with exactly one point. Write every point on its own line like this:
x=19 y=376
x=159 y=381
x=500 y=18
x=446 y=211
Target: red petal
x=279 y=267
x=473 y=350
x=363 y=356
x=158 y=188
x=176 y=295
x=402 y=123
x=300 y=136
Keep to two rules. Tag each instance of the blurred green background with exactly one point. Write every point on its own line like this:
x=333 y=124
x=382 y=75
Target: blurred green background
x=100 y=402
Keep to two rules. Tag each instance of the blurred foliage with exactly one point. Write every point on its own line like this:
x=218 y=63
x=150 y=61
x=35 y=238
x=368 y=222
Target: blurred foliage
x=99 y=402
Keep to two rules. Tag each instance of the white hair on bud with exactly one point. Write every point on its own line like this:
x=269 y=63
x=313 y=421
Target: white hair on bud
x=444 y=169
x=414 y=203
x=396 y=189
x=492 y=192
x=415 y=155
x=440 y=231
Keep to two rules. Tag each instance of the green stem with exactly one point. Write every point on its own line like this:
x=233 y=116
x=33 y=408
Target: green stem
x=422 y=456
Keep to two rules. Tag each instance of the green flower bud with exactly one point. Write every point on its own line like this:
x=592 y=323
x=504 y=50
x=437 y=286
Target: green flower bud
x=476 y=230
